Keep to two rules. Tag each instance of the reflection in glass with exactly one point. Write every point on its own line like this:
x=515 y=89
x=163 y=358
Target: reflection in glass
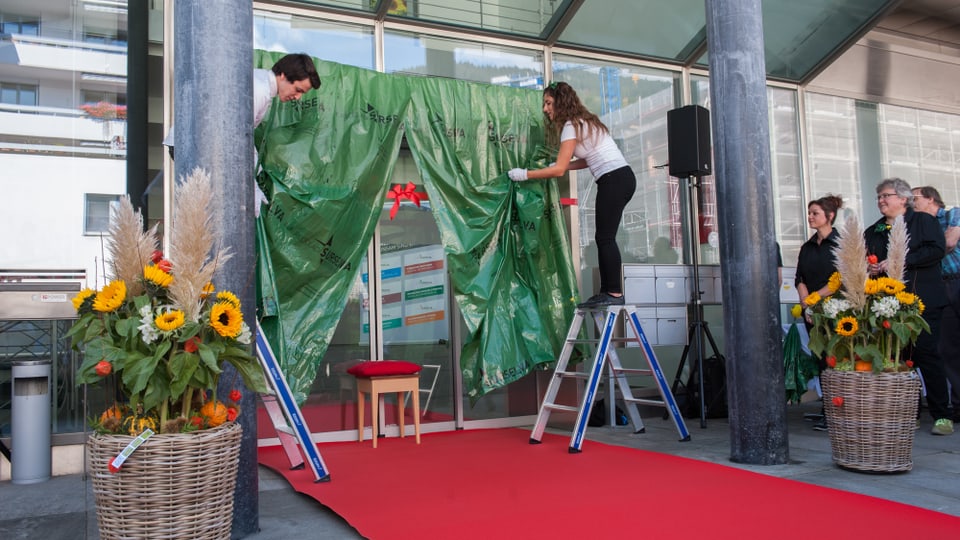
x=334 y=41
x=418 y=54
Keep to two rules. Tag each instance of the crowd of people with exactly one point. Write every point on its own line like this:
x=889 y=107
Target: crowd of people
x=932 y=273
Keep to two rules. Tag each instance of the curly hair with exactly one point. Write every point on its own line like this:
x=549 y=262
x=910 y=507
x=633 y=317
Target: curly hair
x=567 y=107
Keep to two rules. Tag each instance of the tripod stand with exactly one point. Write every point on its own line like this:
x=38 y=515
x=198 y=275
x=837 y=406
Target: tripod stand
x=698 y=326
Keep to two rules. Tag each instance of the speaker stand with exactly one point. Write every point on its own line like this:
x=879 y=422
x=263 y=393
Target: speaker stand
x=698 y=327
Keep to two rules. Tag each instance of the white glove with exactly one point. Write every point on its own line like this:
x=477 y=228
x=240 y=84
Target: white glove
x=517 y=175
x=258 y=199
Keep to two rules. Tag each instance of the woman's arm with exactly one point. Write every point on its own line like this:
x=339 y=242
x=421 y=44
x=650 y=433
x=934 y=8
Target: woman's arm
x=562 y=165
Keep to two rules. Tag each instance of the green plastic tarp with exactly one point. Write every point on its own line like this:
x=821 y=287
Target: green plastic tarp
x=327 y=165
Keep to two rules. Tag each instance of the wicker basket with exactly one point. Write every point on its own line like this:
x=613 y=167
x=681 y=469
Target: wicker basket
x=873 y=429
x=175 y=485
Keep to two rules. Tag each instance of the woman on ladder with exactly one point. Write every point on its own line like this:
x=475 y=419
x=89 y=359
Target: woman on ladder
x=583 y=136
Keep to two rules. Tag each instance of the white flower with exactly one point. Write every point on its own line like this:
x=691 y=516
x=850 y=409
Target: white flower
x=148 y=331
x=245 y=334
x=885 y=307
x=833 y=306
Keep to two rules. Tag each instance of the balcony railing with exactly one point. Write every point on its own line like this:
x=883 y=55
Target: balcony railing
x=103 y=61
x=32 y=129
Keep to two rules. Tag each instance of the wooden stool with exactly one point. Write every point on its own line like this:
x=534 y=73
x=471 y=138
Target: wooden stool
x=384 y=376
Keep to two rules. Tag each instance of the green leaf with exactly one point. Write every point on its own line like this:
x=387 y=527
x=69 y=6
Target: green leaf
x=181 y=369
x=252 y=375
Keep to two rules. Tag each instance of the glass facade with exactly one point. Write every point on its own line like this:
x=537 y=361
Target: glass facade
x=63 y=80
x=63 y=141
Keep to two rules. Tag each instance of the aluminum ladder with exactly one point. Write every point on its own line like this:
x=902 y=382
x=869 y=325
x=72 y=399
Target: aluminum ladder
x=286 y=416
x=605 y=356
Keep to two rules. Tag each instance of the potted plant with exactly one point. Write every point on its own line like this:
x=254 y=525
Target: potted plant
x=163 y=456
x=870 y=391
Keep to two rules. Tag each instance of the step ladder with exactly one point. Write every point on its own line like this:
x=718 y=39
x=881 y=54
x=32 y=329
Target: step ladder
x=605 y=318
x=286 y=416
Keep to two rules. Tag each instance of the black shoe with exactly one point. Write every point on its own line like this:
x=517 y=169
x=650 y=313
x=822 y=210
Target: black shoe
x=600 y=300
x=821 y=425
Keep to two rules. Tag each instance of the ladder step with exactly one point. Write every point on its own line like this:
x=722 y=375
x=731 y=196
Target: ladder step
x=558 y=407
x=633 y=371
x=572 y=374
x=645 y=401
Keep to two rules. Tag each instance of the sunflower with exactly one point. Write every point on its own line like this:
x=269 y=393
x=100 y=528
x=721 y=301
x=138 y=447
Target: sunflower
x=834 y=282
x=906 y=298
x=111 y=297
x=871 y=287
x=227 y=296
x=81 y=297
x=226 y=319
x=207 y=290
x=890 y=285
x=169 y=321
x=158 y=277
x=812 y=299
x=847 y=326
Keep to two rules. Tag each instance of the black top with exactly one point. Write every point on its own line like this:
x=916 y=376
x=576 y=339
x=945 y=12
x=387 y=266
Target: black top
x=925 y=251
x=815 y=263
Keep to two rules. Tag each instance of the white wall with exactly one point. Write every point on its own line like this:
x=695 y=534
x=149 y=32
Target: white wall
x=42 y=211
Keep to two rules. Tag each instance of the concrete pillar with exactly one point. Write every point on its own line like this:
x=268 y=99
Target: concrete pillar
x=213 y=103
x=751 y=309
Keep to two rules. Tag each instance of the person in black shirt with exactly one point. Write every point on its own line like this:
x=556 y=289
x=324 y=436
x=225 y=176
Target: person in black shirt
x=815 y=264
x=922 y=277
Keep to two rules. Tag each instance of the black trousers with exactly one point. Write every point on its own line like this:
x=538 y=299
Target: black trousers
x=614 y=191
x=926 y=357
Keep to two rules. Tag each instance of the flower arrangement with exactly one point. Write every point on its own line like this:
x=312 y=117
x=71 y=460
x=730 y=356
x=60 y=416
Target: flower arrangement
x=159 y=330
x=105 y=110
x=866 y=322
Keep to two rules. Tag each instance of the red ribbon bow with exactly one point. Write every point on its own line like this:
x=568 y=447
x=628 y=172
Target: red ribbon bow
x=396 y=193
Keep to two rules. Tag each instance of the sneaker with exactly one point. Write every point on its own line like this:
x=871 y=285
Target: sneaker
x=943 y=426
x=600 y=300
x=821 y=425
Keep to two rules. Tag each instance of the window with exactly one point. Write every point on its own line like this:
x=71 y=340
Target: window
x=96 y=96
x=18 y=94
x=18 y=25
x=97 y=210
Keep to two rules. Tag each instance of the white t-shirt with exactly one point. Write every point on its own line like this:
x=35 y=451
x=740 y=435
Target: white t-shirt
x=597 y=148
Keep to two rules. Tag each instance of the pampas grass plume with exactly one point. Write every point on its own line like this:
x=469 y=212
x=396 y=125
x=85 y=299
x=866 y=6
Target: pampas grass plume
x=897 y=248
x=192 y=238
x=850 y=256
x=129 y=246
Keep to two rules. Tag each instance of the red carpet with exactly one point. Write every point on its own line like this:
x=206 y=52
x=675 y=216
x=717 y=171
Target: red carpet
x=494 y=484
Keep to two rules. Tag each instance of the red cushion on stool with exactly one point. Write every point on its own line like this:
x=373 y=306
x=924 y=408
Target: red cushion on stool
x=383 y=368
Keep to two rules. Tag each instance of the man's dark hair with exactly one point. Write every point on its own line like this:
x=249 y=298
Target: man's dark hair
x=296 y=67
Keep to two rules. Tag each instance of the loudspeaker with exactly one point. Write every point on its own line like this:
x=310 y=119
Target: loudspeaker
x=688 y=141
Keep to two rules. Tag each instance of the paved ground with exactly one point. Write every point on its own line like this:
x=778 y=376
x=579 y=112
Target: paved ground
x=61 y=508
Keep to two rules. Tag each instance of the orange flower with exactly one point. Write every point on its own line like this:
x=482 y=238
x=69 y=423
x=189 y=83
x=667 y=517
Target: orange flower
x=191 y=345
x=886 y=324
x=235 y=395
x=838 y=401
x=909 y=363
x=232 y=413
x=872 y=259
x=103 y=368
x=832 y=361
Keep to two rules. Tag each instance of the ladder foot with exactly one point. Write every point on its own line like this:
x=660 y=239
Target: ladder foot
x=573 y=450
x=642 y=430
x=685 y=439
x=324 y=479
x=297 y=467
x=534 y=441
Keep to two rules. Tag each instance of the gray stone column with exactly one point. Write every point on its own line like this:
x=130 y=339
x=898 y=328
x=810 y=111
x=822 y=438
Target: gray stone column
x=751 y=309
x=213 y=103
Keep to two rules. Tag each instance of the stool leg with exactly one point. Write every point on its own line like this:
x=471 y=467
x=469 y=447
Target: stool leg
x=375 y=412
x=400 y=413
x=360 y=399
x=416 y=413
